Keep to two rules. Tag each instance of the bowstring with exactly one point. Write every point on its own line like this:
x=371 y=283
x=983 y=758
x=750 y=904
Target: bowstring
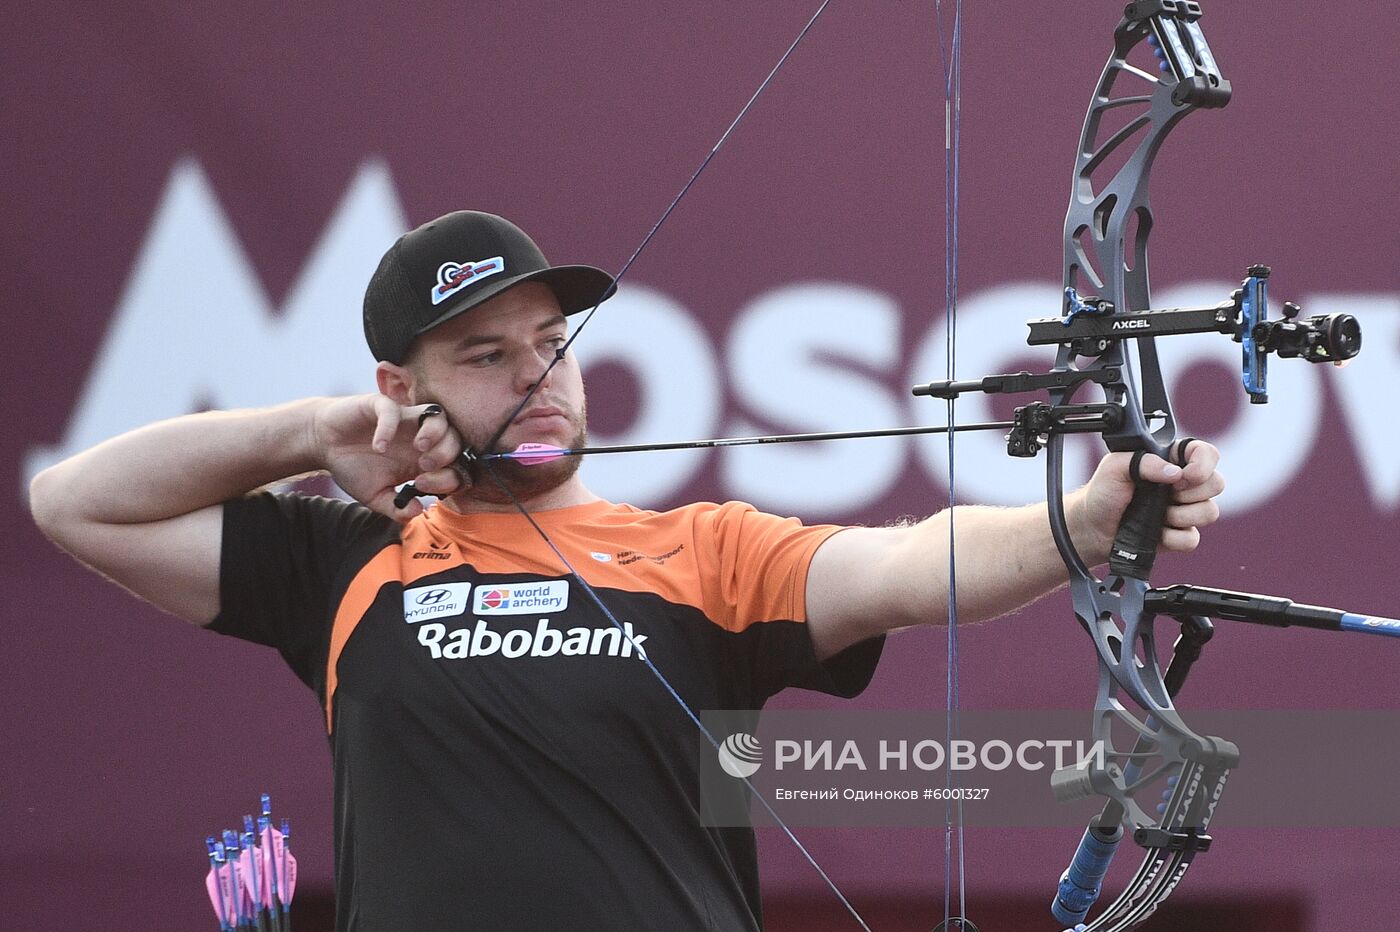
x=597 y=600
x=950 y=61
x=549 y=542
x=685 y=189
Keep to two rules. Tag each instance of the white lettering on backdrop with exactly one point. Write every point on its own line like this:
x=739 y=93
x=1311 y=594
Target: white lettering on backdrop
x=194 y=328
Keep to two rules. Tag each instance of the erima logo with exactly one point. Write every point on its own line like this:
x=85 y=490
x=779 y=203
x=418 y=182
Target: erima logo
x=543 y=597
x=542 y=641
x=452 y=277
x=1138 y=324
x=434 y=552
x=441 y=601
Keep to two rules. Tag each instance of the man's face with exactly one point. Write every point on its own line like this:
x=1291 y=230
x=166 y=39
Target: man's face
x=481 y=365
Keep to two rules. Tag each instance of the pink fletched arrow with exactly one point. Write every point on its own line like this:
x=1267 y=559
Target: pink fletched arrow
x=533 y=454
x=279 y=868
x=219 y=884
x=252 y=876
x=251 y=872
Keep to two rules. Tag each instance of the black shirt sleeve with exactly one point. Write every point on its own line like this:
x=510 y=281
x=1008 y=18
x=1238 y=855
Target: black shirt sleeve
x=282 y=561
x=778 y=655
x=847 y=673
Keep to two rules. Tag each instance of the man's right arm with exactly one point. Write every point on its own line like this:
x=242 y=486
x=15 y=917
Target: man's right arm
x=145 y=508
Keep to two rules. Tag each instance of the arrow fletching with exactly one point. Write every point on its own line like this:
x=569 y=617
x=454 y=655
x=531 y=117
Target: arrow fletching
x=533 y=454
x=219 y=884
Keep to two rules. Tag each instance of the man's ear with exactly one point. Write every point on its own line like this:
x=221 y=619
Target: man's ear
x=397 y=382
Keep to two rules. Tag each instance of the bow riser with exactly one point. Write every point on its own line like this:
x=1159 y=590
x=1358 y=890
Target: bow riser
x=1107 y=230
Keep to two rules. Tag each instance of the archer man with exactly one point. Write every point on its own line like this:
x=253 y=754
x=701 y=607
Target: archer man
x=504 y=756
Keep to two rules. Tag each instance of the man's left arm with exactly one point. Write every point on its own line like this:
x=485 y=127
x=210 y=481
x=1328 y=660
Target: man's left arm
x=864 y=582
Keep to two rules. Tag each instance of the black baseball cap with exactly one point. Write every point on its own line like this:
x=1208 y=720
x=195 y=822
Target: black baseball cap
x=452 y=264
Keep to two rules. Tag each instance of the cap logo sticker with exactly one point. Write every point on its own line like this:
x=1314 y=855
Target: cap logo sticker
x=454 y=276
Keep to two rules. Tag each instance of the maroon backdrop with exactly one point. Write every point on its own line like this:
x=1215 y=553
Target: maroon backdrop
x=184 y=184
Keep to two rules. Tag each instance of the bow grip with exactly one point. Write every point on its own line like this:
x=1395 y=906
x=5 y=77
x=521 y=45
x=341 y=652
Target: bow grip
x=1135 y=545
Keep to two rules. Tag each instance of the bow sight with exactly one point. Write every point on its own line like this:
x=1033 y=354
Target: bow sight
x=1091 y=324
x=1093 y=327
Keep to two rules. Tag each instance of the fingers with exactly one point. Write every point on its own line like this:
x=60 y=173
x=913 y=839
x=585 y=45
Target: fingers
x=439 y=482
x=1155 y=469
x=1193 y=499
x=1180 y=540
x=420 y=441
x=433 y=436
x=436 y=444
x=432 y=426
x=435 y=432
x=1187 y=492
x=1195 y=485
x=403 y=504
x=1195 y=514
x=429 y=411
x=387 y=417
x=1201 y=460
x=1181 y=526
x=439 y=446
x=1199 y=481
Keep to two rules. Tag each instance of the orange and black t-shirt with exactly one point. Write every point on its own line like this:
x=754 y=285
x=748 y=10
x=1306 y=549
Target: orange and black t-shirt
x=504 y=759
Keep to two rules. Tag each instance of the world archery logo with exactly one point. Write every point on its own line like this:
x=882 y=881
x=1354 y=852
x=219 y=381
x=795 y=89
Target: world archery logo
x=452 y=277
x=740 y=755
x=546 y=597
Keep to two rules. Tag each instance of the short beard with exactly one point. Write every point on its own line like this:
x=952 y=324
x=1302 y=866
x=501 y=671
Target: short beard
x=504 y=481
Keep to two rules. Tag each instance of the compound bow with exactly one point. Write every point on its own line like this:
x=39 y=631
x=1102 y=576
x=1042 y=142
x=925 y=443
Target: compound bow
x=1105 y=246
x=1106 y=235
